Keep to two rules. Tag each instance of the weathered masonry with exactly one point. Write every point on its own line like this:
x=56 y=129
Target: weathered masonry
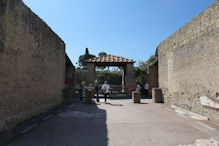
x=189 y=63
x=152 y=76
x=32 y=64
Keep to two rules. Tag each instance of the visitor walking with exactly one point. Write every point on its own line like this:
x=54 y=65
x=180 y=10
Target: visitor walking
x=105 y=90
x=97 y=90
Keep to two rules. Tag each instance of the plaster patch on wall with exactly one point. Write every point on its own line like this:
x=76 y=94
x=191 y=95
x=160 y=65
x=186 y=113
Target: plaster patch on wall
x=208 y=102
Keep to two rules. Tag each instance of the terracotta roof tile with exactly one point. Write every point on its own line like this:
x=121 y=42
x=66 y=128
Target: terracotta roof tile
x=110 y=59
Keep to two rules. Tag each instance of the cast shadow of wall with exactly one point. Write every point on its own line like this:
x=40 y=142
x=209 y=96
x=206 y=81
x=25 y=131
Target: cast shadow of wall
x=79 y=125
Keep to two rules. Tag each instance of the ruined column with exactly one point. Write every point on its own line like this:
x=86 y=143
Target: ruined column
x=90 y=73
x=130 y=79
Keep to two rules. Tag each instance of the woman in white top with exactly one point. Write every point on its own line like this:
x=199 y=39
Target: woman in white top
x=105 y=89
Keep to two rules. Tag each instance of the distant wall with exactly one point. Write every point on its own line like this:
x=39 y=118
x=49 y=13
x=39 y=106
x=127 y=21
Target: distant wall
x=32 y=64
x=189 y=63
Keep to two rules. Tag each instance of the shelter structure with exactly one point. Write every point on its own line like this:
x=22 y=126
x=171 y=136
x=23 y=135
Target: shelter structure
x=128 y=78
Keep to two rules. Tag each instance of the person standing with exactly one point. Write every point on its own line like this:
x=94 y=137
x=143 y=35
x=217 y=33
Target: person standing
x=105 y=90
x=97 y=90
x=146 y=87
x=138 y=87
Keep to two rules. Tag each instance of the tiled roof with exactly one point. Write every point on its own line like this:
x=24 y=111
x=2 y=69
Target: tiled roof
x=110 y=59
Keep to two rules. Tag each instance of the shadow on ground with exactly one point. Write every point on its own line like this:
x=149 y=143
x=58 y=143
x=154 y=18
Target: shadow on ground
x=79 y=125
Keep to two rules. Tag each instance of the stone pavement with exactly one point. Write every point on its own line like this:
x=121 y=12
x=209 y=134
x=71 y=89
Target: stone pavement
x=204 y=142
x=120 y=123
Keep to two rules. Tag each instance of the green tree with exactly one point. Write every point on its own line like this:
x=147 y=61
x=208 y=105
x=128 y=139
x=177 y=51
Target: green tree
x=142 y=65
x=102 y=54
x=140 y=72
x=82 y=59
x=141 y=69
x=151 y=59
x=86 y=51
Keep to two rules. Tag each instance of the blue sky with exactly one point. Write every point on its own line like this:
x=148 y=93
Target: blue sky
x=128 y=28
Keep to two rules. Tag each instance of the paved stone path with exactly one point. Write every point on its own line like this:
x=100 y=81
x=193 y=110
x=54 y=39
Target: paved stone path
x=204 y=142
x=120 y=123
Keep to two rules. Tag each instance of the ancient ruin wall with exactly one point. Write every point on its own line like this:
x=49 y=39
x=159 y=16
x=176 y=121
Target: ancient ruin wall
x=32 y=64
x=189 y=63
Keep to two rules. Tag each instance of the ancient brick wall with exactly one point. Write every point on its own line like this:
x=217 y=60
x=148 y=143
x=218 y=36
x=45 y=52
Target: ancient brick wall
x=32 y=64
x=189 y=63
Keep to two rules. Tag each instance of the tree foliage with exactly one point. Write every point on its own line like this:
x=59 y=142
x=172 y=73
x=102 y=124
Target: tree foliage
x=82 y=58
x=141 y=70
x=151 y=59
x=102 y=54
x=86 y=51
x=142 y=65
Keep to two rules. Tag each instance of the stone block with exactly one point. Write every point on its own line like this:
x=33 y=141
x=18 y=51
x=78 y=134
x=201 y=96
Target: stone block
x=136 y=96
x=157 y=95
x=88 y=96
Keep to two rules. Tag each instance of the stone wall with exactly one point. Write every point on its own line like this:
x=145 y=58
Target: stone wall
x=32 y=64
x=152 y=77
x=70 y=77
x=189 y=63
